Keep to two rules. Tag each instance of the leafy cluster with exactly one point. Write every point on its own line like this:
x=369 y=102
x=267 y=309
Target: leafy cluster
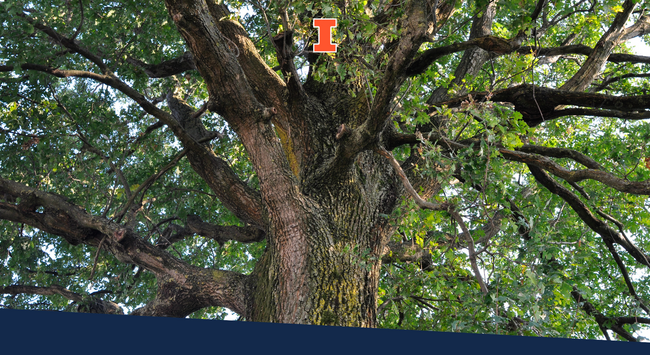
x=93 y=144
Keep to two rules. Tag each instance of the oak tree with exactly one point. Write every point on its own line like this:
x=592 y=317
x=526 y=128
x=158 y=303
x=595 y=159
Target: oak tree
x=476 y=166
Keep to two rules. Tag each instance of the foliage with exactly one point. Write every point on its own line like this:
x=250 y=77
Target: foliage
x=85 y=140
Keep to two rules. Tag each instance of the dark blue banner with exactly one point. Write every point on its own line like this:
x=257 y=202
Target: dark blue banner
x=30 y=332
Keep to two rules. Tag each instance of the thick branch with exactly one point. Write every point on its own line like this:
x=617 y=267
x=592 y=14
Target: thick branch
x=597 y=59
x=549 y=99
x=407 y=185
x=583 y=211
x=474 y=57
x=209 y=288
x=221 y=234
x=216 y=58
x=70 y=44
x=414 y=32
x=224 y=179
x=44 y=291
x=640 y=28
x=602 y=320
x=446 y=143
x=85 y=304
x=166 y=68
x=189 y=286
x=238 y=197
x=561 y=153
x=408 y=252
x=487 y=43
x=623 y=185
x=582 y=50
x=119 y=85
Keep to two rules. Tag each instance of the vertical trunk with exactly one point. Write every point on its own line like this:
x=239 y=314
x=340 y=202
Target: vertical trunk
x=342 y=253
x=345 y=232
x=325 y=230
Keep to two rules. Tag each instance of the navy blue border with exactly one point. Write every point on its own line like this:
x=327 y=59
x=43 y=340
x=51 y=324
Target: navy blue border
x=30 y=332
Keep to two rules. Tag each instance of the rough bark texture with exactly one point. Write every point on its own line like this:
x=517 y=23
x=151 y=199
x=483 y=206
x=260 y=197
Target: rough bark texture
x=327 y=180
x=322 y=197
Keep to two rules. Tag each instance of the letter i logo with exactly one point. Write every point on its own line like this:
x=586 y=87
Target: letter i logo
x=325 y=44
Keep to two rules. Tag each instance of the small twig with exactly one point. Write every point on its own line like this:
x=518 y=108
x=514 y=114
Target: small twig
x=92 y=272
x=266 y=20
x=81 y=23
x=407 y=185
x=372 y=99
x=470 y=246
x=147 y=183
x=437 y=207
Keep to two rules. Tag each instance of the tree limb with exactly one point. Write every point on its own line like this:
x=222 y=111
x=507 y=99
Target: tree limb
x=221 y=234
x=583 y=211
x=582 y=50
x=597 y=59
x=238 y=197
x=410 y=252
x=189 y=286
x=605 y=83
x=407 y=185
x=628 y=107
x=438 y=207
x=166 y=68
x=414 y=32
x=573 y=176
x=603 y=321
x=88 y=304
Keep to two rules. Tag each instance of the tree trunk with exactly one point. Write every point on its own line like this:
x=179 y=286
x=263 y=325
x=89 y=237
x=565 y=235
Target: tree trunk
x=338 y=259
x=324 y=212
x=324 y=267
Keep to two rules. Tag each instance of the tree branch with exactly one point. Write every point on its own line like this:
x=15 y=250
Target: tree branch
x=70 y=44
x=474 y=57
x=238 y=197
x=88 y=304
x=573 y=176
x=410 y=252
x=640 y=28
x=561 y=153
x=597 y=59
x=414 y=33
x=629 y=107
x=221 y=234
x=407 y=185
x=166 y=68
x=626 y=276
x=582 y=50
x=583 y=211
x=185 y=287
x=470 y=247
x=606 y=232
x=438 y=207
x=146 y=184
x=43 y=291
x=605 y=83
x=209 y=288
x=249 y=212
x=488 y=43
x=603 y=321
x=407 y=252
